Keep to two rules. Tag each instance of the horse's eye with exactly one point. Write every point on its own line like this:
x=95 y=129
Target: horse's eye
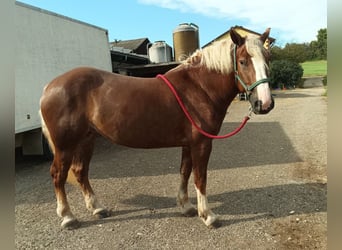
x=243 y=62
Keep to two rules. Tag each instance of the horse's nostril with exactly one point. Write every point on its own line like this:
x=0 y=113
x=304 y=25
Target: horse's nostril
x=258 y=109
x=258 y=105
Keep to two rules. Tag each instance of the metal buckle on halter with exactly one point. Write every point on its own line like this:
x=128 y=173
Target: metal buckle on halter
x=250 y=111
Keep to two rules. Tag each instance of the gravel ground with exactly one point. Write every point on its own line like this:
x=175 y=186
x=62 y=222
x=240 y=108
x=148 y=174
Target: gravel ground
x=268 y=183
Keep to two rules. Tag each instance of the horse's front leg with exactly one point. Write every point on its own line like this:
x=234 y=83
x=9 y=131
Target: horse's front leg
x=200 y=156
x=185 y=170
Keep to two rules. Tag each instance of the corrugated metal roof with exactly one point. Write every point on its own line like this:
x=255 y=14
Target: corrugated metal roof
x=132 y=45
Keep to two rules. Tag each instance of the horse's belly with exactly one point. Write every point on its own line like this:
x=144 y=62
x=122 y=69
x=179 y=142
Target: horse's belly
x=148 y=139
x=145 y=134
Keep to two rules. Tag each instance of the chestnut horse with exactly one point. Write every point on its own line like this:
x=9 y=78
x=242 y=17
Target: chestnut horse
x=143 y=113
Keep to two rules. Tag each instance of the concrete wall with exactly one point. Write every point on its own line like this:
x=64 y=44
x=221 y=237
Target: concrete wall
x=311 y=82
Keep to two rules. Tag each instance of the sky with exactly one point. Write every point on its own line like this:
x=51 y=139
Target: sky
x=291 y=21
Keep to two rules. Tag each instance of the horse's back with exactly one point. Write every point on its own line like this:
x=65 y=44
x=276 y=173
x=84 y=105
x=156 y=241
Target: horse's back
x=76 y=79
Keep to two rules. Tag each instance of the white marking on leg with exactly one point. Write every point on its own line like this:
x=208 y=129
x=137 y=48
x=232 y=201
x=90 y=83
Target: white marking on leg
x=188 y=208
x=202 y=204
x=204 y=211
x=63 y=211
x=92 y=204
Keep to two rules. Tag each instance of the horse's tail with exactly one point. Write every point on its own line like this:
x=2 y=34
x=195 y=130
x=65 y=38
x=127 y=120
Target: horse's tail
x=46 y=132
x=71 y=176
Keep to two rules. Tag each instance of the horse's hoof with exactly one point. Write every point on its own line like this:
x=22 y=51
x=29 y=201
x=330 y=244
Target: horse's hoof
x=70 y=224
x=187 y=209
x=211 y=220
x=215 y=224
x=101 y=213
x=190 y=212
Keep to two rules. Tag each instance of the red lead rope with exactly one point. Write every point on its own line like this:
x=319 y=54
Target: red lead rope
x=181 y=104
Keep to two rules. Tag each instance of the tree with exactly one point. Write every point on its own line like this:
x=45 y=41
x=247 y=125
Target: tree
x=276 y=53
x=285 y=73
x=315 y=50
x=294 y=52
x=319 y=47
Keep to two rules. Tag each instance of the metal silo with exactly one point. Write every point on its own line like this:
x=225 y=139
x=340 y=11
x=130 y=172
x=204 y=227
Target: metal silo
x=159 y=52
x=185 y=40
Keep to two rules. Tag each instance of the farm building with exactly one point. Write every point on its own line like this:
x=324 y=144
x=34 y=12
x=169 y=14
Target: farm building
x=137 y=46
x=243 y=32
x=126 y=53
x=52 y=45
x=131 y=57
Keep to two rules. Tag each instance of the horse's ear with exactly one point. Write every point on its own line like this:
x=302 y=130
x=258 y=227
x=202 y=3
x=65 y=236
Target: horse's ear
x=236 y=38
x=265 y=35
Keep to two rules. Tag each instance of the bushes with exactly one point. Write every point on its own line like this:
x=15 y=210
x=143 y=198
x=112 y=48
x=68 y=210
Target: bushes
x=325 y=83
x=284 y=73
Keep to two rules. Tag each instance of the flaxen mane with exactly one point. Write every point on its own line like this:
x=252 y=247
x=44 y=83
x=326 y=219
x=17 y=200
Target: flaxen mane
x=217 y=56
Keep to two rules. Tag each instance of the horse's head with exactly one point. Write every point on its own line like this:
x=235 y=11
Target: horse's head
x=252 y=70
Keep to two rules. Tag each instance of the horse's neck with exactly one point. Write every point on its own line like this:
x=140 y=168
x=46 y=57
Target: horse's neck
x=220 y=88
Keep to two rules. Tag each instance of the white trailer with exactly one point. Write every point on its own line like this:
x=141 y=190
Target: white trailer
x=47 y=45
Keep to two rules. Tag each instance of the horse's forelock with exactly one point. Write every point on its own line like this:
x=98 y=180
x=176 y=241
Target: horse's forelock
x=254 y=46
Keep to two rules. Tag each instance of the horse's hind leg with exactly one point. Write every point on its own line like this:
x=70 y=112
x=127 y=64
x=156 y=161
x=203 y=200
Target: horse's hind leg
x=59 y=172
x=185 y=170
x=80 y=168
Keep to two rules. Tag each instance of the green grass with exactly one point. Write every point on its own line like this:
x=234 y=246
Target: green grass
x=314 y=68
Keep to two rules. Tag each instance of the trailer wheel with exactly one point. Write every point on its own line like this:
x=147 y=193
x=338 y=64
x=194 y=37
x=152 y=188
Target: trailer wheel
x=47 y=152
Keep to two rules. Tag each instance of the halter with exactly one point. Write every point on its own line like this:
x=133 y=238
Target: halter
x=248 y=88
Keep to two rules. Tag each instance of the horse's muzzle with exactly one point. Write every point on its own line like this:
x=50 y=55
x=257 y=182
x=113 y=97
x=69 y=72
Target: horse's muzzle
x=258 y=109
